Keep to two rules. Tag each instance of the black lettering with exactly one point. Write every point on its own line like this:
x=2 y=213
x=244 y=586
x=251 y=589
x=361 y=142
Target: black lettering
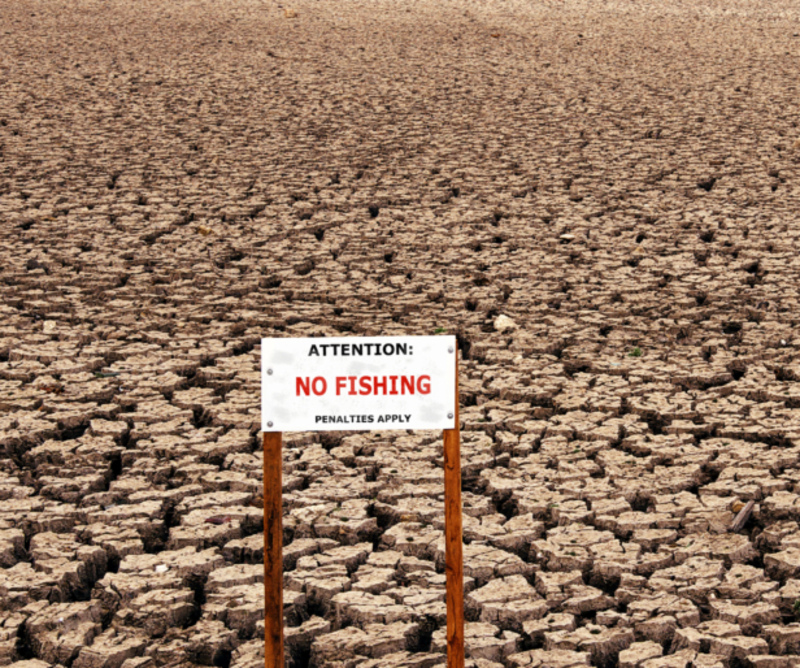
x=356 y=347
x=335 y=347
x=346 y=349
x=313 y=350
x=401 y=349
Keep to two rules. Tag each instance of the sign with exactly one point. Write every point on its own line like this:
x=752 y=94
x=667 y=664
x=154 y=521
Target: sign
x=328 y=384
x=364 y=383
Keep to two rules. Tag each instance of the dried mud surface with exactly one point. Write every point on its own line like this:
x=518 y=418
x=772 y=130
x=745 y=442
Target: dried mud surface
x=598 y=198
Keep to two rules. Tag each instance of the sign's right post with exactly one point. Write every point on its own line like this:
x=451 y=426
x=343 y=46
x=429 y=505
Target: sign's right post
x=454 y=560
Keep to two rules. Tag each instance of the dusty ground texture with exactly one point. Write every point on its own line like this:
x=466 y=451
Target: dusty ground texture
x=598 y=198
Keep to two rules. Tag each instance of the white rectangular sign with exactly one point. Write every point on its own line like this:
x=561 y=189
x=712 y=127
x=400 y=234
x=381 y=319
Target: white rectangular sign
x=364 y=383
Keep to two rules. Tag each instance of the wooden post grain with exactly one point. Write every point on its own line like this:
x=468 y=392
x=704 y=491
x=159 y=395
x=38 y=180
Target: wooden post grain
x=454 y=561
x=273 y=551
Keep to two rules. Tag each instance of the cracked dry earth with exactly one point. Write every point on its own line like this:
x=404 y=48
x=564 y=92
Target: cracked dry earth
x=598 y=198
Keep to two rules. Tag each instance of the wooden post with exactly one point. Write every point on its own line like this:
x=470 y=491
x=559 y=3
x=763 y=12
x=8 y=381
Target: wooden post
x=454 y=560
x=273 y=551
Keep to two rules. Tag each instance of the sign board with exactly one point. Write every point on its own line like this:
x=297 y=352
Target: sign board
x=365 y=383
x=358 y=383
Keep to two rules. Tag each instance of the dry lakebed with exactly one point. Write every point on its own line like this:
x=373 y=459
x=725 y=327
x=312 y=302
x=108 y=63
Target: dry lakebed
x=598 y=198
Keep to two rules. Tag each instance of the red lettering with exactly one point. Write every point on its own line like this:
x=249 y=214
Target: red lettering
x=302 y=385
x=375 y=385
x=424 y=385
x=319 y=381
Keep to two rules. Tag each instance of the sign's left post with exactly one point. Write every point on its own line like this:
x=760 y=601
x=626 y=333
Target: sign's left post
x=273 y=550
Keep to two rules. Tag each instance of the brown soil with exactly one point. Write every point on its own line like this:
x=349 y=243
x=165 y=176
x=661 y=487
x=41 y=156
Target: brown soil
x=598 y=198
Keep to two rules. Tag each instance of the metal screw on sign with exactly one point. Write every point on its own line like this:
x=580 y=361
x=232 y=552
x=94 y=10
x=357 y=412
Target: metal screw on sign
x=269 y=372
x=450 y=349
x=269 y=424
x=449 y=416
